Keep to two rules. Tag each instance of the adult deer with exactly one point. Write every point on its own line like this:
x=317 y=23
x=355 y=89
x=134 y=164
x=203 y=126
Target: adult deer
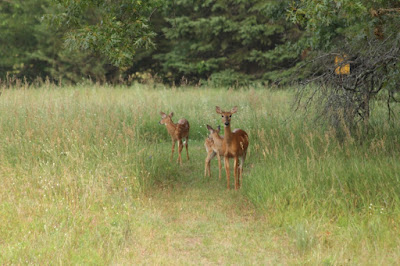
x=213 y=146
x=177 y=132
x=234 y=145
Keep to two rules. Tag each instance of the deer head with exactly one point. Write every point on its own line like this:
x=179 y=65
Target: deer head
x=165 y=119
x=226 y=116
x=213 y=131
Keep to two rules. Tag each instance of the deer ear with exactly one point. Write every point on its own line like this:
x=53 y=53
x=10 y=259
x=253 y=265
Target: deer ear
x=234 y=110
x=171 y=114
x=163 y=115
x=210 y=128
x=218 y=109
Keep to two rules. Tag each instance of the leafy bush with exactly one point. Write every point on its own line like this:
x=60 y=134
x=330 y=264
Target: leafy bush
x=228 y=78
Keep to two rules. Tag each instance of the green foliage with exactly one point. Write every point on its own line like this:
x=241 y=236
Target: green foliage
x=326 y=22
x=211 y=39
x=228 y=78
x=115 y=29
x=366 y=32
x=33 y=49
x=174 y=41
x=18 y=19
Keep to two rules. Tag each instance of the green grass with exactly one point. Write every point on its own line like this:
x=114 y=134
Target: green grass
x=86 y=179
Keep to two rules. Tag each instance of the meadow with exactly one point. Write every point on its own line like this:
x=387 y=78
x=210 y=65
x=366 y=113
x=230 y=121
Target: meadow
x=86 y=179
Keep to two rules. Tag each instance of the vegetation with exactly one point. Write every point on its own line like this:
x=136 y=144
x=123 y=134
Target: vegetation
x=229 y=43
x=33 y=51
x=113 y=28
x=220 y=43
x=86 y=178
x=362 y=35
x=85 y=170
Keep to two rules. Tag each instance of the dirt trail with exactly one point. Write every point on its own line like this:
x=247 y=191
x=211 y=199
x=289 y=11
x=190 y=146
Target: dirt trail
x=203 y=223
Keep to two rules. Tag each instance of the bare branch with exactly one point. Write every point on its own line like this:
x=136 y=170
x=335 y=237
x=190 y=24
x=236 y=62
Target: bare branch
x=372 y=70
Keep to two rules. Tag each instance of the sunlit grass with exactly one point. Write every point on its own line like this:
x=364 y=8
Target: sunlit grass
x=86 y=178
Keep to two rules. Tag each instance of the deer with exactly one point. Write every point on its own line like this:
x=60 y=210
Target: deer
x=234 y=145
x=178 y=132
x=213 y=145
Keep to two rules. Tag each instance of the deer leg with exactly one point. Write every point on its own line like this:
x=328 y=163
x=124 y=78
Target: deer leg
x=219 y=165
x=241 y=159
x=180 y=148
x=206 y=166
x=210 y=156
x=187 y=148
x=236 y=172
x=227 y=171
x=241 y=164
x=172 y=150
x=213 y=153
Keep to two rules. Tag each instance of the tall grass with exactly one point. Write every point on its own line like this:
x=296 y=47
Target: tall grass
x=313 y=183
x=76 y=161
x=70 y=165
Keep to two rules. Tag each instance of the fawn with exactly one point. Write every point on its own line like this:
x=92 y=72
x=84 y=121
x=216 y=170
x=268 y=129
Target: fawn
x=213 y=146
x=234 y=145
x=177 y=132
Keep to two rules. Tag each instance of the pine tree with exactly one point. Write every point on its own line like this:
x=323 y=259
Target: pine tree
x=227 y=41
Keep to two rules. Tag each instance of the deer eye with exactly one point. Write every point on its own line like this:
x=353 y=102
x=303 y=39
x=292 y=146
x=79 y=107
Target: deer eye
x=230 y=115
x=222 y=116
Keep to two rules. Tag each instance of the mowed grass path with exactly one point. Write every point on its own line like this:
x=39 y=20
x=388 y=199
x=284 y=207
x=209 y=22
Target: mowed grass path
x=198 y=221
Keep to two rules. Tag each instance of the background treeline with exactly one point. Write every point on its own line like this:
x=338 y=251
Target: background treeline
x=226 y=42
x=214 y=42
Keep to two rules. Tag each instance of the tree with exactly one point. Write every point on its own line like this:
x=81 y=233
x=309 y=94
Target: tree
x=364 y=34
x=68 y=64
x=115 y=29
x=226 y=41
x=17 y=40
x=31 y=49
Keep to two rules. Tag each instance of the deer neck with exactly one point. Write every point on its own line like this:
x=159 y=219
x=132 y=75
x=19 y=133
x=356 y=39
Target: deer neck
x=217 y=139
x=170 y=127
x=228 y=134
x=218 y=144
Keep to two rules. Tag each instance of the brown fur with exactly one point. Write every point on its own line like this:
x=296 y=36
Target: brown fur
x=178 y=132
x=213 y=146
x=234 y=145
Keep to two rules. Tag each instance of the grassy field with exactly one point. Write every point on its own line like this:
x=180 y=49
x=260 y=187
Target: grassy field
x=86 y=179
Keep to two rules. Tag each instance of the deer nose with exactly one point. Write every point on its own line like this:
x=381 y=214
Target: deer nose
x=226 y=123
